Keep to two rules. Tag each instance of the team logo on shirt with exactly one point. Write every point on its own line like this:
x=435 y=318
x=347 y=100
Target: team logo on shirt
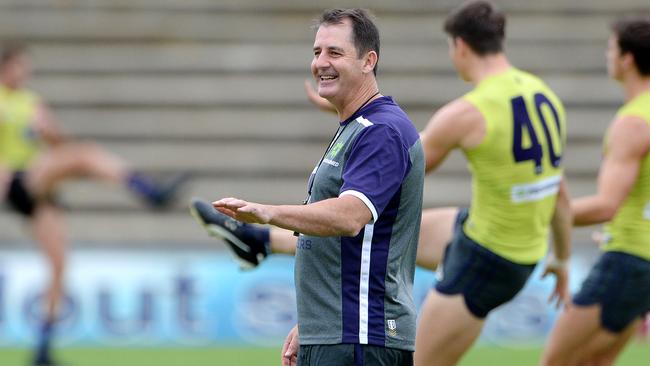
x=335 y=150
x=332 y=153
x=392 y=327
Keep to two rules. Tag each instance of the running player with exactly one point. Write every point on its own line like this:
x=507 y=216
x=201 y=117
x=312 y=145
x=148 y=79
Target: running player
x=616 y=294
x=511 y=128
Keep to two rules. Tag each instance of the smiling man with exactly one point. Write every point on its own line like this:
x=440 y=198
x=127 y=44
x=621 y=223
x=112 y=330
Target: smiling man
x=359 y=226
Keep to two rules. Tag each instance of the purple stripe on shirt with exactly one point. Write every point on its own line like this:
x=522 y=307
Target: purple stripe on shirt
x=350 y=276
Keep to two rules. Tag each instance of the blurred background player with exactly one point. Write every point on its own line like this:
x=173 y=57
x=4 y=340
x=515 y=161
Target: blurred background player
x=616 y=294
x=35 y=158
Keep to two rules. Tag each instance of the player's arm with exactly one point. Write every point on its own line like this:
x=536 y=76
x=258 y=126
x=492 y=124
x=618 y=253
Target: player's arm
x=629 y=142
x=317 y=100
x=457 y=124
x=47 y=126
x=340 y=216
x=561 y=223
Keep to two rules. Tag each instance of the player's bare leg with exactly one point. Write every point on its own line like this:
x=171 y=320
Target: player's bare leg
x=446 y=330
x=606 y=346
x=50 y=234
x=574 y=328
x=579 y=339
x=73 y=160
x=436 y=231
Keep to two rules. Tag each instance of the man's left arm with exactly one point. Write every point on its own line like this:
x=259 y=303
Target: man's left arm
x=629 y=142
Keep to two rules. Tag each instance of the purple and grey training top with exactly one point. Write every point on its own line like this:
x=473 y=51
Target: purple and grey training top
x=359 y=289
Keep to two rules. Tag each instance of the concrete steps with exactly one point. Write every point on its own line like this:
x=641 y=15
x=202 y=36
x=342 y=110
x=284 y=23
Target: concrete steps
x=79 y=24
x=215 y=88
x=212 y=90
x=288 y=57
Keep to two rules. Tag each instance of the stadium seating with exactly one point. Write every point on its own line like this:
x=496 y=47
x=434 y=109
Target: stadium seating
x=215 y=88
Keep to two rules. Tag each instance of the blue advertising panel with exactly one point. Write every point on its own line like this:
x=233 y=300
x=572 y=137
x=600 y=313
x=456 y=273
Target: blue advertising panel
x=195 y=299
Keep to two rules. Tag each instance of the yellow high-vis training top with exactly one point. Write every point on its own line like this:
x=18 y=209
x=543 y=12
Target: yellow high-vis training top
x=516 y=170
x=629 y=230
x=19 y=142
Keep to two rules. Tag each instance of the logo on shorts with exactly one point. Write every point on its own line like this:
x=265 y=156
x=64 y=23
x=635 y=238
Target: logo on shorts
x=440 y=273
x=392 y=327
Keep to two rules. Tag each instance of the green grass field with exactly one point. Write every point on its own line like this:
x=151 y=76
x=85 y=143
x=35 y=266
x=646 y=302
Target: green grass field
x=636 y=354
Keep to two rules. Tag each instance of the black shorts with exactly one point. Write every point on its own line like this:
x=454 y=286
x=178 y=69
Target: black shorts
x=485 y=279
x=353 y=355
x=18 y=197
x=620 y=284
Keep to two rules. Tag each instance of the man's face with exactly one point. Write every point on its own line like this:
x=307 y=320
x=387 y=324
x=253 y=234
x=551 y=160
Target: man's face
x=336 y=68
x=16 y=71
x=614 y=59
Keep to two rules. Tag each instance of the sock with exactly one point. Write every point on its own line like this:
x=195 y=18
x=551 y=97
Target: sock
x=44 y=339
x=143 y=186
x=257 y=236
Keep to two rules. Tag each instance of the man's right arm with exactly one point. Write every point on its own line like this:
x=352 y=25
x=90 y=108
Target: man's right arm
x=339 y=216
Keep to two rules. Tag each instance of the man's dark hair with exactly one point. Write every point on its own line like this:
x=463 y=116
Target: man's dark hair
x=633 y=34
x=10 y=51
x=480 y=25
x=364 y=31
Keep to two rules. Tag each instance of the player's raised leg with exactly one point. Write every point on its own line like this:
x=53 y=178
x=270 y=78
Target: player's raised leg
x=73 y=159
